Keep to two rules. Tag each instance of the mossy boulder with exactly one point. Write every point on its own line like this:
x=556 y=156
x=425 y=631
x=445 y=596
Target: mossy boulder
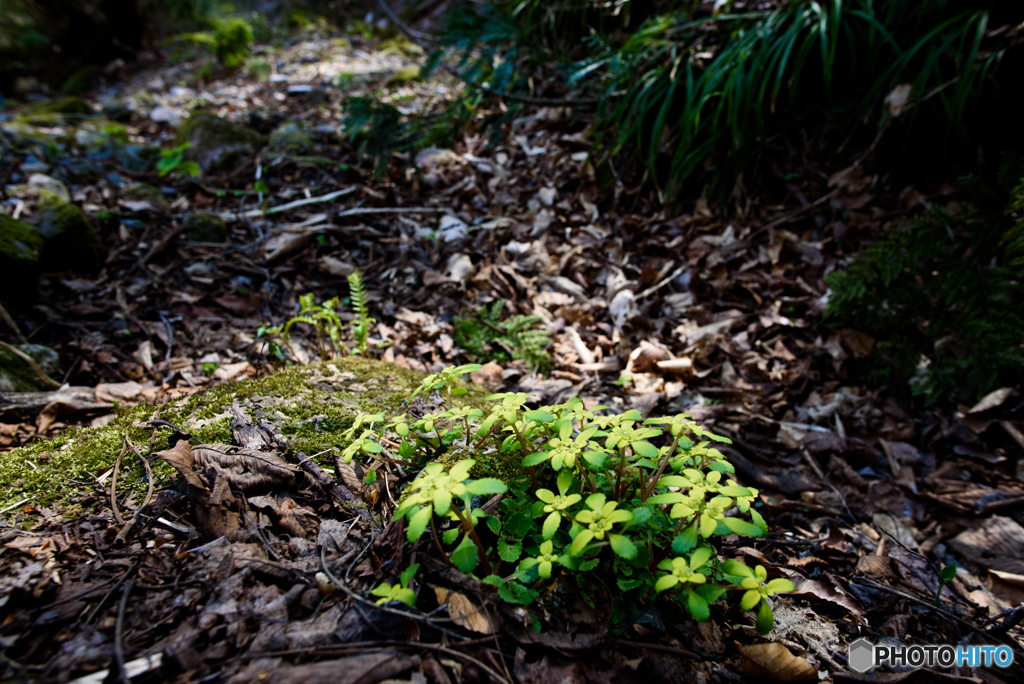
x=70 y=241
x=23 y=134
x=83 y=79
x=20 y=247
x=205 y=228
x=137 y=195
x=71 y=109
x=312 y=405
x=217 y=145
x=94 y=133
x=16 y=375
x=291 y=138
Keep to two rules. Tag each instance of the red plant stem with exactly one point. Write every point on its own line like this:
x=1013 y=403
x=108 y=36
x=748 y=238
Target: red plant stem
x=661 y=469
x=679 y=527
x=437 y=543
x=476 y=540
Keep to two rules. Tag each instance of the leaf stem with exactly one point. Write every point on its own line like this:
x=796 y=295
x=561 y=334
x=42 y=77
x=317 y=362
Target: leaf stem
x=437 y=543
x=648 y=490
x=476 y=540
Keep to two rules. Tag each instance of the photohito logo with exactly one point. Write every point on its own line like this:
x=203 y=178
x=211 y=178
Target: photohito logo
x=865 y=655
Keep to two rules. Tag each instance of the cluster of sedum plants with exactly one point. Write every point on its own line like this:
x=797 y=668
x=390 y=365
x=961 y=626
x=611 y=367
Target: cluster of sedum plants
x=593 y=500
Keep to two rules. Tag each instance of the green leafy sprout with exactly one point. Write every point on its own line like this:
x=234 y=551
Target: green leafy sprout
x=486 y=337
x=325 y=320
x=585 y=498
x=399 y=592
x=173 y=160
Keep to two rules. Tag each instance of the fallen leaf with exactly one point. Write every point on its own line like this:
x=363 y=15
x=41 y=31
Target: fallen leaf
x=774 y=661
x=464 y=612
x=992 y=400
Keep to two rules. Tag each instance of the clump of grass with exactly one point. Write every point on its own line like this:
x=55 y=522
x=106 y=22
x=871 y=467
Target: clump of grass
x=687 y=95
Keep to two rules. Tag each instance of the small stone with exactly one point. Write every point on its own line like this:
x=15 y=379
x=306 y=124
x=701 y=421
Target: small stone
x=98 y=132
x=20 y=247
x=51 y=185
x=205 y=228
x=138 y=195
x=70 y=241
x=167 y=115
x=16 y=375
x=217 y=144
x=291 y=137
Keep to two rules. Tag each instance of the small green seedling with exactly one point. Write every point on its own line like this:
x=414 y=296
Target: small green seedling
x=173 y=161
x=946 y=575
x=399 y=592
x=758 y=590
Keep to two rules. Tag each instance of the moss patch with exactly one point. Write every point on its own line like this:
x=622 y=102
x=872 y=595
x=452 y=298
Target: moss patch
x=71 y=243
x=313 y=406
x=20 y=245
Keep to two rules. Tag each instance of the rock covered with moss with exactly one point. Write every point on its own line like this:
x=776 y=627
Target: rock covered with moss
x=291 y=138
x=17 y=375
x=70 y=240
x=216 y=144
x=202 y=227
x=313 y=406
x=20 y=247
x=137 y=195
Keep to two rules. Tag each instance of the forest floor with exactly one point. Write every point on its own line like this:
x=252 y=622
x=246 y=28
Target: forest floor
x=866 y=493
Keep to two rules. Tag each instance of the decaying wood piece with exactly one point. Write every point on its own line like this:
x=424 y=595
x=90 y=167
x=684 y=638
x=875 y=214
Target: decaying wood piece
x=346 y=498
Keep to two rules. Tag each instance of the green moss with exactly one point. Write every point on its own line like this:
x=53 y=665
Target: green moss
x=205 y=228
x=312 y=405
x=70 y=107
x=217 y=144
x=71 y=243
x=291 y=137
x=20 y=245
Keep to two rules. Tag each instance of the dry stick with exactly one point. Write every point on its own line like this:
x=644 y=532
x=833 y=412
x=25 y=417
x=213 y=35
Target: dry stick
x=11 y=324
x=364 y=646
x=346 y=498
x=123 y=534
x=163 y=243
x=39 y=373
x=476 y=540
x=437 y=543
x=119 y=632
x=540 y=101
x=113 y=484
x=941 y=611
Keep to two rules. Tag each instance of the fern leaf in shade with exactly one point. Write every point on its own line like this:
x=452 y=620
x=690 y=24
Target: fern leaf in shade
x=362 y=323
x=486 y=337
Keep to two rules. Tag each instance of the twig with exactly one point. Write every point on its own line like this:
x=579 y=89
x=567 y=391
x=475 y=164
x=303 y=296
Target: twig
x=113 y=484
x=119 y=632
x=39 y=373
x=123 y=534
x=11 y=324
x=163 y=243
x=346 y=498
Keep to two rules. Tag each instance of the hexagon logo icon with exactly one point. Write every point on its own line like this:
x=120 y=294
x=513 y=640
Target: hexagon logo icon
x=862 y=655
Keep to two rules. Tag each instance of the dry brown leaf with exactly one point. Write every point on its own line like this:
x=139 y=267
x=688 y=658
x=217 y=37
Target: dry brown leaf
x=464 y=612
x=181 y=459
x=992 y=400
x=774 y=661
x=876 y=566
x=122 y=392
x=247 y=469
